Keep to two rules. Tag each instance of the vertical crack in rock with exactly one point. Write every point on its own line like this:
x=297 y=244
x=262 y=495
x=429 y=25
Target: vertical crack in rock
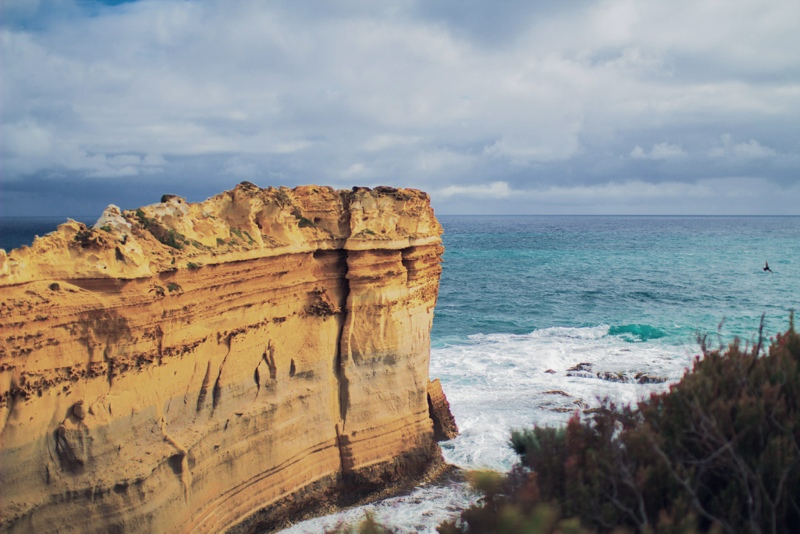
x=345 y=465
x=178 y=462
x=201 y=397
x=265 y=372
x=340 y=373
x=159 y=334
x=216 y=395
x=408 y=263
x=14 y=393
x=77 y=317
x=269 y=357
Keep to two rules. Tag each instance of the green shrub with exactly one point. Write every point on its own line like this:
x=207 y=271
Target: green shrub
x=720 y=451
x=303 y=222
x=193 y=265
x=143 y=218
x=172 y=286
x=172 y=238
x=167 y=236
x=105 y=228
x=241 y=234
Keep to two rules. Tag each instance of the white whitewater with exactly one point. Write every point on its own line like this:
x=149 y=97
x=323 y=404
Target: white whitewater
x=499 y=382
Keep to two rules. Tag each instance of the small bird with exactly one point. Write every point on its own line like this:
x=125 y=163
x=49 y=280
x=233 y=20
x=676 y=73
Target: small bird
x=766 y=267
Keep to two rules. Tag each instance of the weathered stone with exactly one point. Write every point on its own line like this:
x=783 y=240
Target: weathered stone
x=78 y=410
x=444 y=424
x=581 y=367
x=292 y=365
x=645 y=378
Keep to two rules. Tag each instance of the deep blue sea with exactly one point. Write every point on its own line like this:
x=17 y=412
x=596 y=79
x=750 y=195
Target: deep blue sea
x=18 y=231
x=523 y=299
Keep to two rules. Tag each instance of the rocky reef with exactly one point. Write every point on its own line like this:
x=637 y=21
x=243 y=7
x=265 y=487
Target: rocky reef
x=203 y=367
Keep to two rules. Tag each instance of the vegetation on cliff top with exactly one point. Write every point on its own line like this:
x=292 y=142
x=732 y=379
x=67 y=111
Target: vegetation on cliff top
x=720 y=452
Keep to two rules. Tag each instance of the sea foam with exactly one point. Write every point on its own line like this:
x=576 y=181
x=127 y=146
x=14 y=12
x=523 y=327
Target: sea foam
x=499 y=382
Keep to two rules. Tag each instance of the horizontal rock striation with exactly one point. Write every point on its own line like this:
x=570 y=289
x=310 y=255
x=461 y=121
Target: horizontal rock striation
x=182 y=367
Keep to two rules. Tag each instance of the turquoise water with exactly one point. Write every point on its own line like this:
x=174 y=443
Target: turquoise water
x=525 y=299
x=665 y=277
x=521 y=296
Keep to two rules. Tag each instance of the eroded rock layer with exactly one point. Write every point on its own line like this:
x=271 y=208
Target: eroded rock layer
x=444 y=424
x=182 y=366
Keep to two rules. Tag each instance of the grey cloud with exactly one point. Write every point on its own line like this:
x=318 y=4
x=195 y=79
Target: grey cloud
x=451 y=97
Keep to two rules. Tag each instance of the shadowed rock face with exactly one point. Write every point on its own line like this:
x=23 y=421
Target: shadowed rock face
x=182 y=366
x=444 y=424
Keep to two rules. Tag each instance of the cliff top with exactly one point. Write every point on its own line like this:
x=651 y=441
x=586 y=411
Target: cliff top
x=244 y=223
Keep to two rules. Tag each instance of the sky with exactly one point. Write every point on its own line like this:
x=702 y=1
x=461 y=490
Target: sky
x=502 y=107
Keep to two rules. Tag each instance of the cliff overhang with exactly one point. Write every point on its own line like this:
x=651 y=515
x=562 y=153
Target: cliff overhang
x=181 y=367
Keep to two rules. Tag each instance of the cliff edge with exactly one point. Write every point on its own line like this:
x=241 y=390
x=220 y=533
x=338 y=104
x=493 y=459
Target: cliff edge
x=182 y=367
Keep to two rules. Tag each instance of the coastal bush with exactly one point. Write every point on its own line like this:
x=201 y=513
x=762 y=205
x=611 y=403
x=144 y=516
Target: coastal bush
x=171 y=238
x=167 y=236
x=719 y=452
x=145 y=222
x=241 y=234
x=304 y=222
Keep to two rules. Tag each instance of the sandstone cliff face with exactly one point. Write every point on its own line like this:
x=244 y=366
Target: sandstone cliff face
x=182 y=366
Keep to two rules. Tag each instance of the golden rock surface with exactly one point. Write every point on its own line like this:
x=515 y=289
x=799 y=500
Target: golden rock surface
x=184 y=367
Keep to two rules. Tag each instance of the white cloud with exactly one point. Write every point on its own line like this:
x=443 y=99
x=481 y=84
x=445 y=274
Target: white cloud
x=431 y=163
x=709 y=196
x=492 y=190
x=659 y=151
x=236 y=166
x=30 y=145
x=522 y=150
x=382 y=142
x=355 y=90
x=356 y=170
x=749 y=150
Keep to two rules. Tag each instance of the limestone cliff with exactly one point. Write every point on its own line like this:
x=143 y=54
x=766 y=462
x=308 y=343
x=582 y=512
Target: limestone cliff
x=182 y=366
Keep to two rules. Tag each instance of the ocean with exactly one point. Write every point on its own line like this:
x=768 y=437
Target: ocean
x=18 y=231
x=523 y=299
x=539 y=317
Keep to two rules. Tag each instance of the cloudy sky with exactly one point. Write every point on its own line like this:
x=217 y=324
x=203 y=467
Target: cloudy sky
x=548 y=107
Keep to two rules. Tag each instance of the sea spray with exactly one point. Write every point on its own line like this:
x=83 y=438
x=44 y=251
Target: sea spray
x=525 y=299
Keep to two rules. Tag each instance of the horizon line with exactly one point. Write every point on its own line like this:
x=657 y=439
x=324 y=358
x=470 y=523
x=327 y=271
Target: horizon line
x=492 y=215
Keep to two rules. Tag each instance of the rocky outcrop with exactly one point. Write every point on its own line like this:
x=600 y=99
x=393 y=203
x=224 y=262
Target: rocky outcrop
x=183 y=366
x=444 y=424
